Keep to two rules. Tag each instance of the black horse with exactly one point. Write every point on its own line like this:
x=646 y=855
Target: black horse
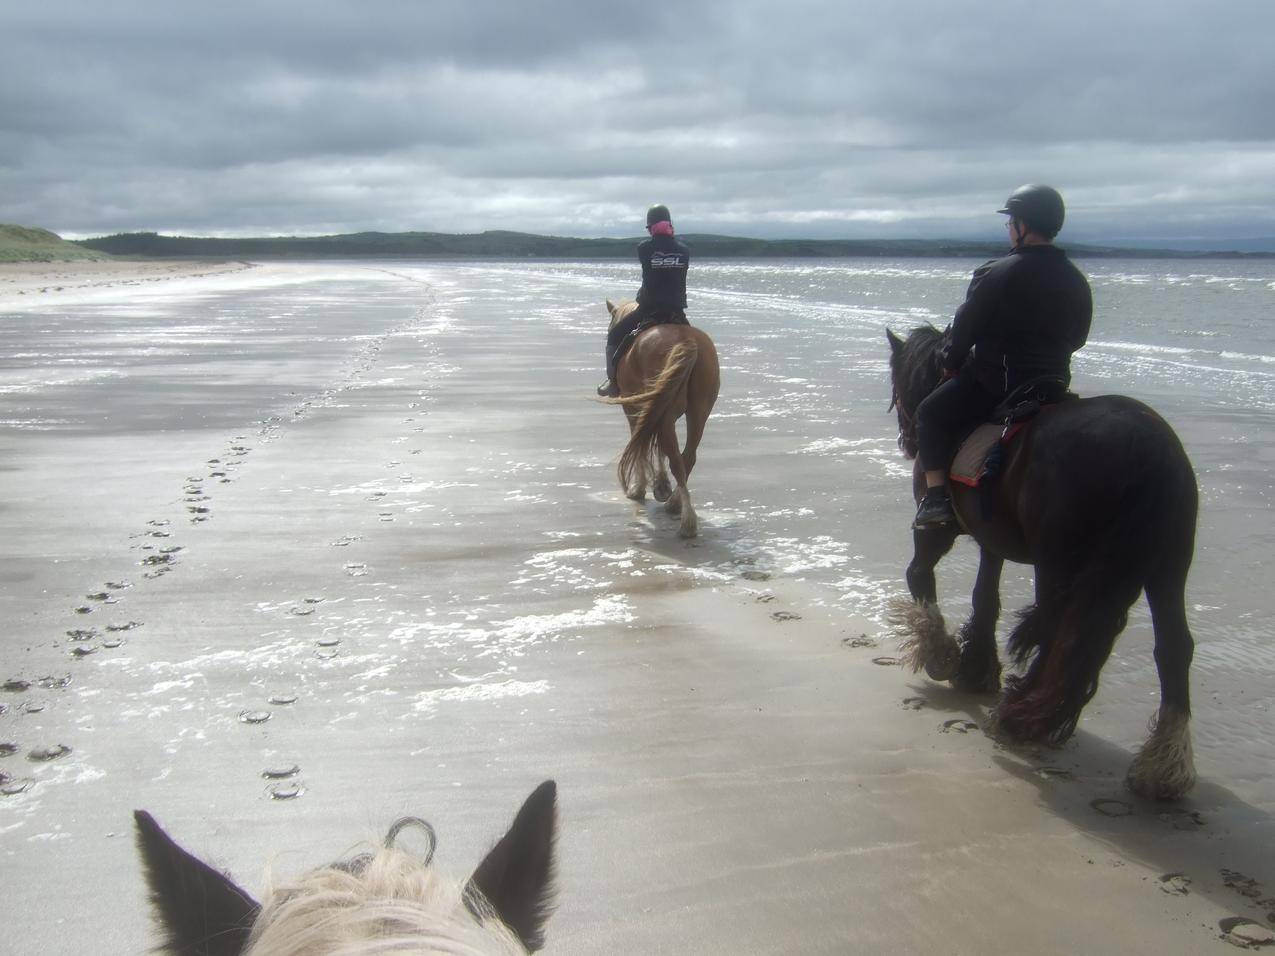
x=1099 y=496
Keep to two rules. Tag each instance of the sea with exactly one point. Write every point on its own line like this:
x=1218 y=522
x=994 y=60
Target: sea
x=799 y=475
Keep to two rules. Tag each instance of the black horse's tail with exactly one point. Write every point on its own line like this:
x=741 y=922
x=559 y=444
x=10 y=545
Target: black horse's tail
x=1084 y=592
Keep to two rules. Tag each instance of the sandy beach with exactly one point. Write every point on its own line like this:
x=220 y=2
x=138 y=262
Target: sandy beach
x=370 y=564
x=49 y=278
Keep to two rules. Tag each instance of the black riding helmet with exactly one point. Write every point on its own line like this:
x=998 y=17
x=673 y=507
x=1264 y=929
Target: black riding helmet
x=657 y=213
x=1039 y=208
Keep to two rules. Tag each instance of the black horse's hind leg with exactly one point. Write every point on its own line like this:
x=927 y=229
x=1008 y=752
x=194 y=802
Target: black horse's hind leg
x=1068 y=635
x=1164 y=768
x=980 y=670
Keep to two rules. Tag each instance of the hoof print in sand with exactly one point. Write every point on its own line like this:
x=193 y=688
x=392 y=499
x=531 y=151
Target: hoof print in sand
x=82 y=633
x=281 y=773
x=886 y=661
x=83 y=650
x=16 y=685
x=861 y=641
x=123 y=627
x=1053 y=773
x=751 y=575
x=8 y=750
x=45 y=754
x=1245 y=933
x=13 y=787
x=1181 y=818
x=282 y=700
x=1175 y=884
x=286 y=791
x=254 y=716
x=957 y=726
x=785 y=616
x=1110 y=807
x=55 y=681
x=912 y=703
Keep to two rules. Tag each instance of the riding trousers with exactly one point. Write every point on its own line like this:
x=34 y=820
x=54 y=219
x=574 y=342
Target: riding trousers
x=945 y=414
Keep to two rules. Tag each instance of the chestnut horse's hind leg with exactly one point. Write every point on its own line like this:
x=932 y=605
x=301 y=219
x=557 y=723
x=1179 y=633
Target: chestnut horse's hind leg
x=661 y=489
x=638 y=491
x=680 y=501
x=1164 y=768
x=980 y=670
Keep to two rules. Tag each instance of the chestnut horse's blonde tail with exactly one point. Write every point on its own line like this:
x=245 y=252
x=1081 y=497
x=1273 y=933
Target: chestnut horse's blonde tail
x=652 y=406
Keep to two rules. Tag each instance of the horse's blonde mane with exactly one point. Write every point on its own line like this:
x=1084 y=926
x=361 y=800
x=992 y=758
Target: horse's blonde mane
x=387 y=902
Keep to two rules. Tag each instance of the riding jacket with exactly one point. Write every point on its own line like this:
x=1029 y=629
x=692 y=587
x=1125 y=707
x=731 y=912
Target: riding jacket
x=664 y=264
x=1023 y=316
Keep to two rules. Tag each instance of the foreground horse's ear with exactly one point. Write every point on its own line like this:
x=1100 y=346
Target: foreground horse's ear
x=202 y=911
x=896 y=343
x=516 y=878
x=610 y=306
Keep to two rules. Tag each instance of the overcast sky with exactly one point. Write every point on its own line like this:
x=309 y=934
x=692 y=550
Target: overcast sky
x=891 y=118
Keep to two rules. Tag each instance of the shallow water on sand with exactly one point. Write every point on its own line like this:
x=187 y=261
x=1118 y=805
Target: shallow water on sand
x=494 y=525
x=798 y=476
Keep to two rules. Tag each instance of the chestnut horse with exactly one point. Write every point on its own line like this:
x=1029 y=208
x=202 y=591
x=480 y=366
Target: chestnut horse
x=380 y=902
x=668 y=372
x=1098 y=495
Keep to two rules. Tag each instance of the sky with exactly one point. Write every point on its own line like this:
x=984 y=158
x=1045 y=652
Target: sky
x=845 y=119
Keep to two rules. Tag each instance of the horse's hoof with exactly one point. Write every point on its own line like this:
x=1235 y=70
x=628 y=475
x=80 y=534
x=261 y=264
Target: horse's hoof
x=979 y=679
x=662 y=490
x=943 y=663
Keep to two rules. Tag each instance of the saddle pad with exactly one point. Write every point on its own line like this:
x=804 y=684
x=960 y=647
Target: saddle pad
x=967 y=466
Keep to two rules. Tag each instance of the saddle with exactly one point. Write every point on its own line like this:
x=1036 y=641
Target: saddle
x=648 y=321
x=981 y=454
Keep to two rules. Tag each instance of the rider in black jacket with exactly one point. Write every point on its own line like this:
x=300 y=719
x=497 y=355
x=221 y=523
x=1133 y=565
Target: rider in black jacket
x=1023 y=316
x=663 y=293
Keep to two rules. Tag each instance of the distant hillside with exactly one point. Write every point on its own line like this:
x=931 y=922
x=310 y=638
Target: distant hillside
x=25 y=244
x=518 y=245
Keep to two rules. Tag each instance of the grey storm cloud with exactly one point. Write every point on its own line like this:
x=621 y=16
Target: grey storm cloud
x=799 y=118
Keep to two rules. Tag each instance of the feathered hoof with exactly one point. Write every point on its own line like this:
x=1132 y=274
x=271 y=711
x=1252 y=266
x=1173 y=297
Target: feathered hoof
x=637 y=494
x=943 y=662
x=923 y=639
x=978 y=677
x=674 y=505
x=1164 y=768
x=689 y=528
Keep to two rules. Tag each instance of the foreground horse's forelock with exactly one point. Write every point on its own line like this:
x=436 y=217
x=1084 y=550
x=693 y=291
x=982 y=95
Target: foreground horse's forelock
x=383 y=901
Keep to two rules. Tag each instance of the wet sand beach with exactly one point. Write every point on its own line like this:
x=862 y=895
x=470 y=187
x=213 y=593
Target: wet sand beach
x=320 y=545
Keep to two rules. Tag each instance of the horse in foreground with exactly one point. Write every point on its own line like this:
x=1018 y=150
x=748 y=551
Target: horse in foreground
x=1099 y=496
x=387 y=901
x=669 y=371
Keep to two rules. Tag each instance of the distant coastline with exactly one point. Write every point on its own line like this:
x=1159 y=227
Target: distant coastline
x=517 y=245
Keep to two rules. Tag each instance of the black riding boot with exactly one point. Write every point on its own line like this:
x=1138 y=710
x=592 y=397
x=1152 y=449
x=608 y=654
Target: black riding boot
x=609 y=389
x=935 y=509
